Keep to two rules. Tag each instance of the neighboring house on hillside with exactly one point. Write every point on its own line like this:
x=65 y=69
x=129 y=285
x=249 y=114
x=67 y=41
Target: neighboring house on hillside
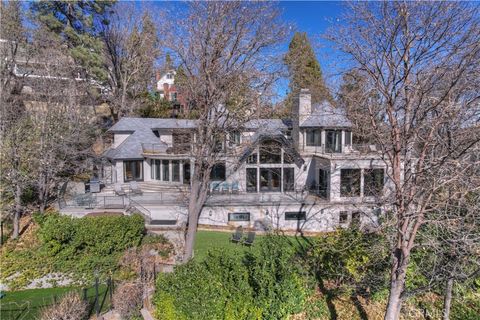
x=301 y=174
x=167 y=90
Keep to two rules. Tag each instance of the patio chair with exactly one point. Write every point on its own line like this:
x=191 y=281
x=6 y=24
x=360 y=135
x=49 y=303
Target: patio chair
x=237 y=236
x=224 y=187
x=119 y=191
x=215 y=186
x=134 y=188
x=250 y=238
x=235 y=187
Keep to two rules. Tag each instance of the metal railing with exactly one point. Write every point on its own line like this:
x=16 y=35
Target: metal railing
x=159 y=148
x=135 y=206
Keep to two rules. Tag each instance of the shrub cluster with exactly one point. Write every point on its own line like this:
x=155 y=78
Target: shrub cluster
x=350 y=261
x=265 y=283
x=90 y=243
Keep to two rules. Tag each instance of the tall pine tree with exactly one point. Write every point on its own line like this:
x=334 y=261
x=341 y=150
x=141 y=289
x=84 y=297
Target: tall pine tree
x=78 y=23
x=304 y=70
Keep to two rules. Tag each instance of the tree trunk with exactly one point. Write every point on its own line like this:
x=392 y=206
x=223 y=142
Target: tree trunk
x=194 y=209
x=447 y=303
x=397 y=285
x=18 y=212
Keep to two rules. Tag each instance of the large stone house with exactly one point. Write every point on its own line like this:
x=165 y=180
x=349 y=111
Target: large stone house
x=302 y=174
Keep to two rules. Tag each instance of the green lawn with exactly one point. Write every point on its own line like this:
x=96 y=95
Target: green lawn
x=207 y=240
x=27 y=304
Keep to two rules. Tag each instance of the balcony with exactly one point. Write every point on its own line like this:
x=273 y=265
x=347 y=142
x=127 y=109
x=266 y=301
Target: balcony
x=163 y=148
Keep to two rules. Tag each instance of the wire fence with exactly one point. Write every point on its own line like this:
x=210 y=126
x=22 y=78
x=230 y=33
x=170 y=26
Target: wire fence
x=98 y=298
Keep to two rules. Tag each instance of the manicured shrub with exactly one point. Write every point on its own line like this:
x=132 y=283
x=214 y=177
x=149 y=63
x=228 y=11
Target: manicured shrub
x=265 y=283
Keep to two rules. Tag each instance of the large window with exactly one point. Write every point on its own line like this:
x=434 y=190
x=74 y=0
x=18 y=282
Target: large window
x=350 y=182
x=323 y=181
x=270 y=179
x=166 y=170
x=155 y=169
x=218 y=172
x=373 y=180
x=239 y=216
x=288 y=179
x=314 y=137
x=175 y=170
x=333 y=141
x=133 y=170
x=302 y=215
x=270 y=152
x=186 y=173
x=251 y=179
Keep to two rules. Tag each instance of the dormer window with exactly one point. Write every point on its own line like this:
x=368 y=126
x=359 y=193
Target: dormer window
x=169 y=76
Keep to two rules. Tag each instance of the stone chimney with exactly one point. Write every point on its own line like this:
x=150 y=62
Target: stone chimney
x=301 y=109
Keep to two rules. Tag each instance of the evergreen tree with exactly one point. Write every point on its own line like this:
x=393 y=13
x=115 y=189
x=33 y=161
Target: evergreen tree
x=304 y=70
x=78 y=24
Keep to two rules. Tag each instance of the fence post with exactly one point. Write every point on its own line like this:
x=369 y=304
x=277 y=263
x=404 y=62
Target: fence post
x=110 y=286
x=1 y=233
x=97 y=310
x=154 y=273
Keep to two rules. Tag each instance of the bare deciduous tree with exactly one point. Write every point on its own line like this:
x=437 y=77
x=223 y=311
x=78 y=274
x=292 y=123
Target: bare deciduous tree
x=423 y=60
x=14 y=125
x=131 y=48
x=225 y=52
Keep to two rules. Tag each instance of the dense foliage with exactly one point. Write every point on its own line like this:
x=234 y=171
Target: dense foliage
x=351 y=260
x=74 y=247
x=264 y=283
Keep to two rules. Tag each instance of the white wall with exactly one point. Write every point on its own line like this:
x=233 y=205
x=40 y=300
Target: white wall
x=118 y=138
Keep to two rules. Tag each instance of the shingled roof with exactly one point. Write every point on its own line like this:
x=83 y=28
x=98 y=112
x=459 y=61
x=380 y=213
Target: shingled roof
x=325 y=115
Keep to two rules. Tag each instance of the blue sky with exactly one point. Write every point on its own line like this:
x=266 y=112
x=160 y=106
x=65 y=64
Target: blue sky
x=314 y=18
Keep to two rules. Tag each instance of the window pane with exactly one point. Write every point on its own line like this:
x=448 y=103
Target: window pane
x=302 y=215
x=251 y=179
x=270 y=152
x=239 y=216
x=270 y=179
x=356 y=218
x=333 y=141
x=314 y=137
x=165 y=170
x=350 y=183
x=323 y=181
x=218 y=172
x=133 y=170
x=252 y=159
x=288 y=179
x=343 y=217
x=175 y=170
x=234 y=138
x=186 y=173
x=157 y=169
x=373 y=182
x=348 y=138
